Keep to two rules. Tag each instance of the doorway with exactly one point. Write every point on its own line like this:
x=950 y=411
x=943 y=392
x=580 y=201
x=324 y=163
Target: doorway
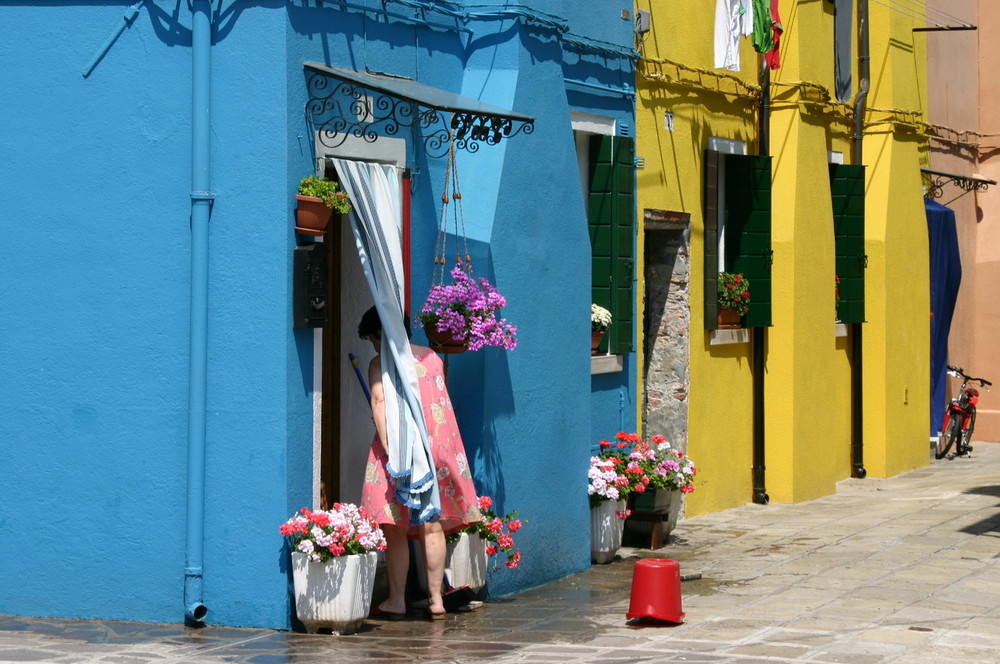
x=666 y=325
x=343 y=429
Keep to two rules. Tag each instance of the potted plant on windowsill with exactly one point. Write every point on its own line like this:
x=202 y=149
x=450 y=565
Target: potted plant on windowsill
x=600 y=321
x=462 y=315
x=317 y=200
x=733 y=299
x=333 y=566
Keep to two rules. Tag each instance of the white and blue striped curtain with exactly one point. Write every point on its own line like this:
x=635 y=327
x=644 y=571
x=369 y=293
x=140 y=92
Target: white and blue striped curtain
x=375 y=220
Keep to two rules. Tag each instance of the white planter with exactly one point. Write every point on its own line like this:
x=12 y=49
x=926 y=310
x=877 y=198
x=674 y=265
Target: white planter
x=606 y=530
x=336 y=594
x=465 y=563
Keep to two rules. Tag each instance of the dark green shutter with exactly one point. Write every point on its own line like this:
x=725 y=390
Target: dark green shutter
x=748 y=229
x=611 y=215
x=712 y=165
x=847 y=189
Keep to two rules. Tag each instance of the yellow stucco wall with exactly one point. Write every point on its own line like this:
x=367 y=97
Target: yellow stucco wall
x=808 y=373
x=897 y=336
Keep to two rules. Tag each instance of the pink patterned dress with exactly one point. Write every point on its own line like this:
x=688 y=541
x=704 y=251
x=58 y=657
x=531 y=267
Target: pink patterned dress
x=459 y=505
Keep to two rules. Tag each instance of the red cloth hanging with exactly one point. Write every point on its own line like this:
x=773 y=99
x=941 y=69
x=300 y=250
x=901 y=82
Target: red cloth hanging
x=772 y=57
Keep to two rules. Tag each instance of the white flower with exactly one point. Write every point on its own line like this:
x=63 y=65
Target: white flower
x=600 y=318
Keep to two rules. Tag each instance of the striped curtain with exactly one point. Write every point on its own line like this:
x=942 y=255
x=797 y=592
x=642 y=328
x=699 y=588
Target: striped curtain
x=374 y=192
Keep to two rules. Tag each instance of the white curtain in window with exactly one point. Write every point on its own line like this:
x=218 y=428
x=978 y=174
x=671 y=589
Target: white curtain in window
x=375 y=220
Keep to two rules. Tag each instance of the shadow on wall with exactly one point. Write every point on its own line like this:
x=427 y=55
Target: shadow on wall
x=479 y=382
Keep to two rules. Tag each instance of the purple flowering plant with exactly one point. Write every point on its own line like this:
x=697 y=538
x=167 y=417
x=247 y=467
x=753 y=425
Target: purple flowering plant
x=467 y=309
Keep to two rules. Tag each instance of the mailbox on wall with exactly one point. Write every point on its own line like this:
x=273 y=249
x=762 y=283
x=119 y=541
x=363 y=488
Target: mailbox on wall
x=309 y=286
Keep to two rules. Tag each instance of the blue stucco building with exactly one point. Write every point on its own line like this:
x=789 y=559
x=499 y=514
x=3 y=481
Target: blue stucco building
x=162 y=415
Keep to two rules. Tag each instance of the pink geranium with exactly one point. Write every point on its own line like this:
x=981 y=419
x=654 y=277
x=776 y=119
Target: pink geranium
x=343 y=530
x=496 y=531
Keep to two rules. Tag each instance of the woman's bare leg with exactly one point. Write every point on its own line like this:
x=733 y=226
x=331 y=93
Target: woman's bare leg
x=434 y=554
x=397 y=560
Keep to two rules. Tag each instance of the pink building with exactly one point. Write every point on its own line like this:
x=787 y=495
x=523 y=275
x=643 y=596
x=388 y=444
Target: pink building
x=963 y=91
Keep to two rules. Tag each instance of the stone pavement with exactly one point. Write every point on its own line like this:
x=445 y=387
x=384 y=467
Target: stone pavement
x=901 y=570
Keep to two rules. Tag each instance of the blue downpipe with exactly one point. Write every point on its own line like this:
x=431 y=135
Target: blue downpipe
x=201 y=200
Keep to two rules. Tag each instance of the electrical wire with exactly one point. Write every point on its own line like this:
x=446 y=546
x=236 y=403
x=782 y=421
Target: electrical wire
x=911 y=10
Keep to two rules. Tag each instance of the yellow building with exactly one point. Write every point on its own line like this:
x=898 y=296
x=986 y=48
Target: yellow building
x=755 y=170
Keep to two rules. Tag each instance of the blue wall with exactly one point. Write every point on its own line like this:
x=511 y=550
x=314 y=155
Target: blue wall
x=96 y=302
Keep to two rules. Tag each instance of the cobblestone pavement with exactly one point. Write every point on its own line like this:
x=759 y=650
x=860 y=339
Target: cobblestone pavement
x=901 y=570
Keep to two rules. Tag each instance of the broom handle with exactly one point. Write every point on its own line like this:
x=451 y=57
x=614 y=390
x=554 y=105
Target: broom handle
x=361 y=379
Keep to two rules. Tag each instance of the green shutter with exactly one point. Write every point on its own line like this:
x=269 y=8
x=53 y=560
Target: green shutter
x=847 y=189
x=748 y=229
x=611 y=215
x=712 y=159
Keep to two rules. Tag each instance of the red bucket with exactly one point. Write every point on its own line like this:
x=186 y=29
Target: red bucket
x=656 y=590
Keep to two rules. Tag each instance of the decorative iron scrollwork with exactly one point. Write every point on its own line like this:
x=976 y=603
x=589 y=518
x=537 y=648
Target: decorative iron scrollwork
x=338 y=109
x=936 y=181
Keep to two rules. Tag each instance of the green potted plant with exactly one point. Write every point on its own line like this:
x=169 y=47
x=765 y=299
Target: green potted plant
x=733 y=299
x=600 y=321
x=317 y=200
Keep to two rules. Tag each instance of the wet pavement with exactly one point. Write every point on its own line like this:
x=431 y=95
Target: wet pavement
x=903 y=570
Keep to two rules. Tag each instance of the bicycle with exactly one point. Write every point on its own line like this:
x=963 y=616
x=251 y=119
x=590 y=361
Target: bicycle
x=960 y=416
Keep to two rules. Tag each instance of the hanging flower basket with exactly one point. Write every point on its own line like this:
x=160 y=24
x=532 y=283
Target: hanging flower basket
x=461 y=315
x=445 y=342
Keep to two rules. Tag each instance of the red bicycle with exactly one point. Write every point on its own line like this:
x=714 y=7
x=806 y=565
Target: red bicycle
x=960 y=417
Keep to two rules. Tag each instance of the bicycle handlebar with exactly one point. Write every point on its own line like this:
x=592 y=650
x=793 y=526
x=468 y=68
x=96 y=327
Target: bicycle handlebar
x=958 y=371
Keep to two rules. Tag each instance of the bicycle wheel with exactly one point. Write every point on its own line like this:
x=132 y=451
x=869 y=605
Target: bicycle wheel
x=966 y=446
x=951 y=437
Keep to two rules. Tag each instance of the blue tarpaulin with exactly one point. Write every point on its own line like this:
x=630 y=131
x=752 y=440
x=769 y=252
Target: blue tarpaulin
x=945 y=276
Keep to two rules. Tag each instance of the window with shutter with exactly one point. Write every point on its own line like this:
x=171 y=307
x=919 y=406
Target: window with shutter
x=847 y=189
x=738 y=219
x=611 y=218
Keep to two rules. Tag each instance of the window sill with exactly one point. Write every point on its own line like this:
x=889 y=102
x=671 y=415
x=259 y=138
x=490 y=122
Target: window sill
x=840 y=330
x=602 y=364
x=723 y=337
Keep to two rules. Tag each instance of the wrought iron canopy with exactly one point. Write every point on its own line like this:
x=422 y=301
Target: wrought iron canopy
x=938 y=179
x=346 y=103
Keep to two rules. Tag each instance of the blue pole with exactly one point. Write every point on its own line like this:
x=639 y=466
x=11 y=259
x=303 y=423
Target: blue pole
x=201 y=198
x=127 y=19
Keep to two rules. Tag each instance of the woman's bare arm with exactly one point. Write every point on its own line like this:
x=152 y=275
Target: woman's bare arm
x=378 y=401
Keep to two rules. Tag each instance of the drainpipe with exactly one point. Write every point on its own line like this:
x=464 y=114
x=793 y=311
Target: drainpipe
x=758 y=333
x=857 y=153
x=201 y=201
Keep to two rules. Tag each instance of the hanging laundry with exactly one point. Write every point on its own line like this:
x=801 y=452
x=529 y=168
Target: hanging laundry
x=843 y=10
x=772 y=57
x=733 y=19
x=763 y=40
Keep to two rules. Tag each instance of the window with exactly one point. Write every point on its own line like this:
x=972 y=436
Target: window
x=847 y=189
x=738 y=230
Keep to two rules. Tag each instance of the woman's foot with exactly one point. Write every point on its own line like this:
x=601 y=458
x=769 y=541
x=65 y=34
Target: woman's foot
x=389 y=611
x=436 y=610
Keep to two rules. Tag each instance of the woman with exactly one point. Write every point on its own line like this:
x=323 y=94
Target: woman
x=459 y=506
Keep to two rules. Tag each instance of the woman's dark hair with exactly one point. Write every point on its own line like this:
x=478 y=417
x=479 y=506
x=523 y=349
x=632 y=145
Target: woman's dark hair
x=371 y=324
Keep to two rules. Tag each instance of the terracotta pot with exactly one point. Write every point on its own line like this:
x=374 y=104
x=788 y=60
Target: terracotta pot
x=595 y=341
x=443 y=342
x=311 y=215
x=729 y=318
